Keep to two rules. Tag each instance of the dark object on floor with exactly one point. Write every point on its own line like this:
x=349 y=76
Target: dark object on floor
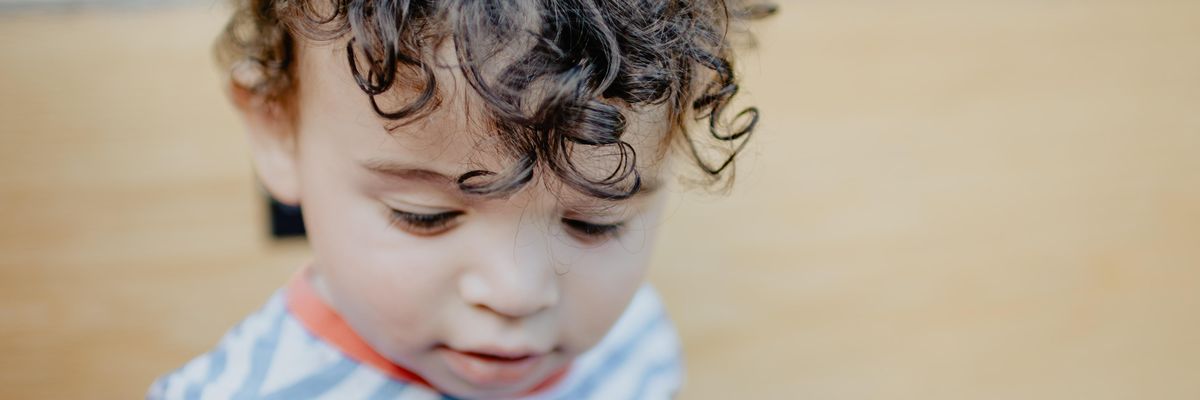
x=286 y=221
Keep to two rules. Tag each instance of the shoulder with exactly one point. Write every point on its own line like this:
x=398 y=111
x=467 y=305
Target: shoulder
x=639 y=358
x=269 y=355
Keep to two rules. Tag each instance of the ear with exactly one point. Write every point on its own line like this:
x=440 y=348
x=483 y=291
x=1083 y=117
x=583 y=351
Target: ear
x=271 y=132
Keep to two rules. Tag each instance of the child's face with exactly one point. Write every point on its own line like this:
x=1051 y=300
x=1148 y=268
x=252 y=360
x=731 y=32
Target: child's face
x=428 y=275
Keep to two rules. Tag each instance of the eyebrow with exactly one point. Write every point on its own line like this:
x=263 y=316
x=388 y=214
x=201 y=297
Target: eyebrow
x=409 y=171
x=417 y=173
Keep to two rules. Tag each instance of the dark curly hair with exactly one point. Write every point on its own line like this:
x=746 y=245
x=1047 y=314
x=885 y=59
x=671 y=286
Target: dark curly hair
x=579 y=65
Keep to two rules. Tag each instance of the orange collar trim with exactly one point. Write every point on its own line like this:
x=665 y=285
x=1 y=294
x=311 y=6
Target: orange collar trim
x=323 y=322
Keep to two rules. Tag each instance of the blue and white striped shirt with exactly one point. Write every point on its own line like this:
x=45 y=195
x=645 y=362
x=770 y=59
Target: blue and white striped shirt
x=271 y=355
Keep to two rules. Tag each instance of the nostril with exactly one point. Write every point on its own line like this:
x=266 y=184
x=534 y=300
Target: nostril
x=513 y=305
x=508 y=310
x=491 y=310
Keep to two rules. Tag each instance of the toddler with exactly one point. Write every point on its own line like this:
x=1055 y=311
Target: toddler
x=481 y=183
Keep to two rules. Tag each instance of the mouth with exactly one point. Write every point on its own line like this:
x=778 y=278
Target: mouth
x=491 y=367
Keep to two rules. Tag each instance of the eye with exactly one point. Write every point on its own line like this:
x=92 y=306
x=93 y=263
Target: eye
x=590 y=232
x=425 y=224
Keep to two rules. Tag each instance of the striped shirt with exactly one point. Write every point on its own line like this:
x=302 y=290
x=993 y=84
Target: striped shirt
x=272 y=355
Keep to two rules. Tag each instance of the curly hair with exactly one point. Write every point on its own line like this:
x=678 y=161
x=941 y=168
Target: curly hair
x=581 y=63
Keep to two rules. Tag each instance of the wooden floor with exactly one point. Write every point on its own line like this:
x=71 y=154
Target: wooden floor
x=946 y=200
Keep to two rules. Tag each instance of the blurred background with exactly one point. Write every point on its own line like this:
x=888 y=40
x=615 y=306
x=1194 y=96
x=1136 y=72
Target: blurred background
x=945 y=200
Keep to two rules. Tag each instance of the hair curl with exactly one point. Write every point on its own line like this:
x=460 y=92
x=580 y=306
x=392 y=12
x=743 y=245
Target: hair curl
x=582 y=63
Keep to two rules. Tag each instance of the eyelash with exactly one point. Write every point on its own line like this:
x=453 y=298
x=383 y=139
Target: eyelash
x=430 y=224
x=593 y=231
x=425 y=224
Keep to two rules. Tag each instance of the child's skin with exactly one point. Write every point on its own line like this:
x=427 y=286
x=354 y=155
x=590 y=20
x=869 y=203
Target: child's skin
x=521 y=276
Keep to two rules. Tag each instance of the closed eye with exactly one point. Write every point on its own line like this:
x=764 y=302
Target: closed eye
x=425 y=224
x=589 y=231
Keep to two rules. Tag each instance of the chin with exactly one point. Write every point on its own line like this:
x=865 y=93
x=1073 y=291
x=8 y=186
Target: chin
x=463 y=390
x=463 y=377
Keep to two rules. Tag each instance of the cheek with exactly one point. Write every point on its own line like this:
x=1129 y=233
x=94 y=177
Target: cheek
x=599 y=286
x=381 y=280
x=596 y=291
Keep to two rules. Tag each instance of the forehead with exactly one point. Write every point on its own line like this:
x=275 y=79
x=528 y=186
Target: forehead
x=456 y=134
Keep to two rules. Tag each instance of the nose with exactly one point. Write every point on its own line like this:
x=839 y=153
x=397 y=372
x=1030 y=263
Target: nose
x=514 y=280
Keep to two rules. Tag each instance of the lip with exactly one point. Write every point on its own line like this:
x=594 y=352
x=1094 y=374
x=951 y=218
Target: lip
x=491 y=367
